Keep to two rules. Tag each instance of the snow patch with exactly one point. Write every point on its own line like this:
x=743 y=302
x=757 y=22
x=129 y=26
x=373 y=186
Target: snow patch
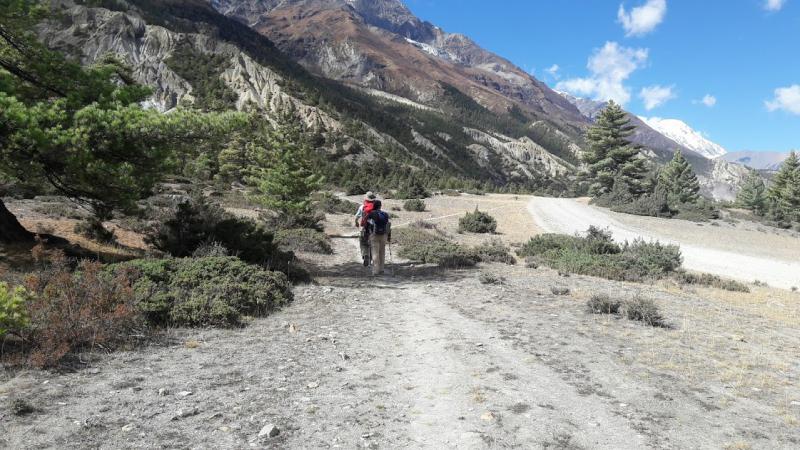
x=685 y=135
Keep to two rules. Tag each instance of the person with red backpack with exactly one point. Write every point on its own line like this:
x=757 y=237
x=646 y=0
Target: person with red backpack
x=361 y=222
x=379 y=229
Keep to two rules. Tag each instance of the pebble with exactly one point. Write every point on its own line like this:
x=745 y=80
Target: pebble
x=184 y=413
x=268 y=431
x=163 y=392
x=184 y=393
x=313 y=385
x=488 y=416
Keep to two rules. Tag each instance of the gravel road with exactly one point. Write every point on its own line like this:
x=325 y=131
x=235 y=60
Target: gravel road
x=729 y=252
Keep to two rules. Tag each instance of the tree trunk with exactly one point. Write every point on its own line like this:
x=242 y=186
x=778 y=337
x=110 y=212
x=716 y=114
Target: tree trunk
x=11 y=231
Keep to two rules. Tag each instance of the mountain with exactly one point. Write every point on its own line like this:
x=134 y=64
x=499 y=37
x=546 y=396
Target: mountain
x=191 y=54
x=683 y=134
x=770 y=161
x=381 y=45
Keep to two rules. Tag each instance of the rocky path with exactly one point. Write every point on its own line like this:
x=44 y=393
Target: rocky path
x=737 y=254
x=423 y=359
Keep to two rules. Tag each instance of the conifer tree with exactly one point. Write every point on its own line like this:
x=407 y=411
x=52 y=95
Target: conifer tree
x=679 y=180
x=611 y=155
x=787 y=172
x=789 y=202
x=753 y=194
x=282 y=179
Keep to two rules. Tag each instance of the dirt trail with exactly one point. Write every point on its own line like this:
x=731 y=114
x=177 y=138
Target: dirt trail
x=737 y=254
x=433 y=359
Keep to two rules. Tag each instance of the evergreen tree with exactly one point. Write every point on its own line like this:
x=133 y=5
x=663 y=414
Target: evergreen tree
x=787 y=172
x=611 y=155
x=789 y=202
x=753 y=194
x=679 y=180
x=282 y=177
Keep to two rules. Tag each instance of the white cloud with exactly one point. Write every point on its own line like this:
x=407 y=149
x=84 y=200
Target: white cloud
x=786 y=99
x=553 y=71
x=709 y=100
x=643 y=19
x=609 y=67
x=655 y=96
x=774 y=5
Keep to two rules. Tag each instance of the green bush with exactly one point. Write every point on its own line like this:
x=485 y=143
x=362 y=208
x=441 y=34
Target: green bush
x=411 y=190
x=304 y=240
x=494 y=251
x=603 y=304
x=331 y=204
x=13 y=312
x=477 y=222
x=707 y=279
x=488 y=278
x=215 y=291
x=643 y=310
x=428 y=248
x=415 y=205
x=597 y=255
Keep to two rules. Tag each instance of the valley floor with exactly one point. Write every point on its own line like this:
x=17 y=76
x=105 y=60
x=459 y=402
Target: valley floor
x=427 y=358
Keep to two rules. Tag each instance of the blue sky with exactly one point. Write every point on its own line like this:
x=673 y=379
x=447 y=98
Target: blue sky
x=668 y=55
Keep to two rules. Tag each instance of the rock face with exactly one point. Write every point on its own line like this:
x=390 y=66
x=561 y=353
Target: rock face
x=770 y=161
x=381 y=45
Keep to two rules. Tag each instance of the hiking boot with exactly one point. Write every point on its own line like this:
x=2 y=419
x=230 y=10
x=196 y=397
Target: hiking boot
x=366 y=261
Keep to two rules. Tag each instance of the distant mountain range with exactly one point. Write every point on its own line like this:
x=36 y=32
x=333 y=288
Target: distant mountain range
x=758 y=160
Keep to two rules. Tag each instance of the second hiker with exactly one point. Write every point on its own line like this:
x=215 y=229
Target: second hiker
x=361 y=222
x=379 y=229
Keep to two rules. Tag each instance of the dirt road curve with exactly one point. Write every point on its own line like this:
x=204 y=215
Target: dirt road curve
x=730 y=253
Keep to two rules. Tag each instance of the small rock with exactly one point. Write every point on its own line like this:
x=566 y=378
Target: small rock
x=163 y=392
x=292 y=328
x=184 y=394
x=488 y=416
x=366 y=435
x=344 y=357
x=128 y=427
x=269 y=431
x=184 y=413
x=795 y=403
x=94 y=371
x=313 y=385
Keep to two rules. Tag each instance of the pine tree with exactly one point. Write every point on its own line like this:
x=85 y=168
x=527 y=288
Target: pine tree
x=789 y=167
x=753 y=194
x=679 y=180
x=611 y=155
x=282 y=178
x=789 y=202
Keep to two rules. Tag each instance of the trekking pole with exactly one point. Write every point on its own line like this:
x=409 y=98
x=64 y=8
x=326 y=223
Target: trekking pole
x=391 y=259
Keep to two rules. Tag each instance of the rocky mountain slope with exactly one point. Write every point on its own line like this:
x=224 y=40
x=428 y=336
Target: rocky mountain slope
x=380 y=44
x=181 y=47
x=680 y=132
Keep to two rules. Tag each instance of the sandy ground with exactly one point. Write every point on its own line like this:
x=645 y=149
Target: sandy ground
x=427 y=358
x=736 y=252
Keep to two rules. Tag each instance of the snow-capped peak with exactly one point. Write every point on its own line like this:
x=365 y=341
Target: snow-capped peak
x=685 y=135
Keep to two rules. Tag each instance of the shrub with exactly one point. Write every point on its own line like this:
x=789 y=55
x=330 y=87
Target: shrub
x=75 y=311
x=428 y=248
x=559 y=290
x=193 y=224
x=331 y=204
x=304 y=240
x=653 y=258
x=488 y=278
x=214 y=291
x=533 y=262
x=477 y=222
x=416 y=205
x=13 y=312
x=597 y=255
x=643 y=310
x=494 y=251
x=706 y=279
x=355 y=189
x=210 y=249
x=413 y=189
x=603 y=304
x=94 y=230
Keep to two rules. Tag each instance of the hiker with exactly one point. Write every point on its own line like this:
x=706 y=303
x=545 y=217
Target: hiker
x=379 y=228
x=361 y=221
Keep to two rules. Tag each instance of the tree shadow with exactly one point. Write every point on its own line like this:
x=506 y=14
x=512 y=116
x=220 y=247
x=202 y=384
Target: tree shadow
x=396 y=275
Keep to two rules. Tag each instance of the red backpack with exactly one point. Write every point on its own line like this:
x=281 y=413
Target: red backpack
x=369 y=206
